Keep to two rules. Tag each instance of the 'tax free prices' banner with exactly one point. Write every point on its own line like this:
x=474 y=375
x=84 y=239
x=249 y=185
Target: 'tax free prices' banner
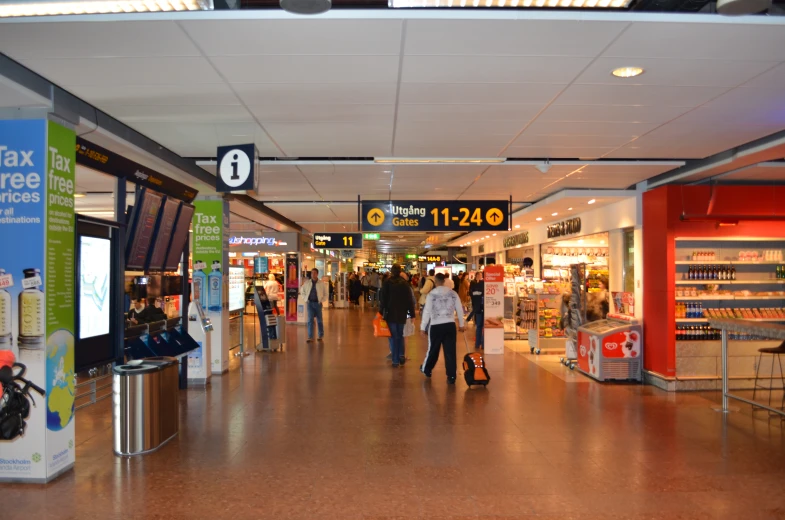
x=37 y=170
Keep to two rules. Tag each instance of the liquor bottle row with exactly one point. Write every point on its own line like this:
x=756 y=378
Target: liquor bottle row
x=703 y=256
x=706 y=333
x=711 y=272
x=689 y=310
x=697 y=333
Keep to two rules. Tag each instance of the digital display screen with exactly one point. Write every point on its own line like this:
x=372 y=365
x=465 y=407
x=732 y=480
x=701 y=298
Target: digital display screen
x=164 y=234
x=145 y=215
x=179 y=236
x=236 y=288
x=94 y=283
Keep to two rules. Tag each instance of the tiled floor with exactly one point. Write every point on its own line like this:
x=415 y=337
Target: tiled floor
x=330 y=431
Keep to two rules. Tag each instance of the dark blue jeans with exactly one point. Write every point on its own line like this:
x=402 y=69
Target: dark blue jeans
x=397 y=345
x=479 y=322
x=315 y=311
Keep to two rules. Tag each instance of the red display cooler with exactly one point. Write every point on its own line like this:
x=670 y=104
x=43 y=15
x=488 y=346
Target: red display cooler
x=611 y=349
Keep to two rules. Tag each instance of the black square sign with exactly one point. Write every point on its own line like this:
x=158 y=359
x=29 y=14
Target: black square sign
x=235 y=170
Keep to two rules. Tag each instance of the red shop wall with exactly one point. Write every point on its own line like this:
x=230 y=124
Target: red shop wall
x=662 y=211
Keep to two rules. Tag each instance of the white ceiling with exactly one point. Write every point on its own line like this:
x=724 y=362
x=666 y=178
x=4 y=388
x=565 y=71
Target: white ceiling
x=423 y=84
x=379 y=84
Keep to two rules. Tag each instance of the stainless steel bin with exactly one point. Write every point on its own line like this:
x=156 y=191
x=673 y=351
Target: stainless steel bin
x=145 y=405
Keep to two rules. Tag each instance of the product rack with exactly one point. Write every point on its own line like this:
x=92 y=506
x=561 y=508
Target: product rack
x=547 y=335
x=748 y=272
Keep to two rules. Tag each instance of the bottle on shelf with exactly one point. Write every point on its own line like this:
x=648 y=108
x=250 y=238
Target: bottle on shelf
x=733 y=272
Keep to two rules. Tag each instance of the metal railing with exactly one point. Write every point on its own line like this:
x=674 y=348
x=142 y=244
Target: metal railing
x=94 y=385
x=767 y=330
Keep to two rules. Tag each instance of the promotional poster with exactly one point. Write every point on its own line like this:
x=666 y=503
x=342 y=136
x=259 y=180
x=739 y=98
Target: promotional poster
x=37 y=291
x=292 y=285
x=210 y=287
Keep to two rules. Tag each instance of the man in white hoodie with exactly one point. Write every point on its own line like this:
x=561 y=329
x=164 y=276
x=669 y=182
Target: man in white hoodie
x=441 y=306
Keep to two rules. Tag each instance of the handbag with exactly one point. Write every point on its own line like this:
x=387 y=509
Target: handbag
x=408 y=329
x=380 y=327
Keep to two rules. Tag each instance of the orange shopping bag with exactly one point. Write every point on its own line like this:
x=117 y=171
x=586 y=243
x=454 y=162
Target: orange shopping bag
x=380 y=328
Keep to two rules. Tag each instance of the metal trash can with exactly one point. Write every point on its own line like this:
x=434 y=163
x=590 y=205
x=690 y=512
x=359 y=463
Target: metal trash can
x=145 y=411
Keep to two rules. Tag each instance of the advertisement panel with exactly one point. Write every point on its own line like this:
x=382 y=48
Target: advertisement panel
x=292 y=285
x=236 y=288
x=494 y=309
x=37 y=167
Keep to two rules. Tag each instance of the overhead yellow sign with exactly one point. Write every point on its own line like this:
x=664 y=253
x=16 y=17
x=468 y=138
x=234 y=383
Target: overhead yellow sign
x=436 y=215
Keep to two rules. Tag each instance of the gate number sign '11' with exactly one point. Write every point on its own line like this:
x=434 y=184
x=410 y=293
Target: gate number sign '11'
x=436 y=215
x=338 y=240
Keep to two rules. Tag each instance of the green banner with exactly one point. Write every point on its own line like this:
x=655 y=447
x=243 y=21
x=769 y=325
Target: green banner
x=60 y=277
x=208 y=233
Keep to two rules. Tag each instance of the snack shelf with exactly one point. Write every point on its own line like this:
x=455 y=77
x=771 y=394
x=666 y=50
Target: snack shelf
x=729 y=282
x=726 y=298
x=726 y=262
x=705 y=320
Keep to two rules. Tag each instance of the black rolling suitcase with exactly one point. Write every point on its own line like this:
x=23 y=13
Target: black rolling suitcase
x=474 y=371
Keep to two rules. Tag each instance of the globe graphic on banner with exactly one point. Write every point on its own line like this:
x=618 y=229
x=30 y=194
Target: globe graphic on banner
x=60 y=397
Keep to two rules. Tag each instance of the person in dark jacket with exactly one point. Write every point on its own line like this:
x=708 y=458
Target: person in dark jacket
x=154 y=311
x=396 y=305
x=477 y=293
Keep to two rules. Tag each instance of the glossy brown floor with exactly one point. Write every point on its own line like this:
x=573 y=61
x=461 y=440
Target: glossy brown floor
x=330 y=431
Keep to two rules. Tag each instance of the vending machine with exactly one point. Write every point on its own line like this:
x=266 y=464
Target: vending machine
x=611 y=349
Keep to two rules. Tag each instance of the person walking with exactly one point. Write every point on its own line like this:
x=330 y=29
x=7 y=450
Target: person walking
x=477 y=293
x=374 y=283
x=271 y=288
x=314 y=292
x=463 y=290
x=429 y=284
x=366 y=282
x=448 y=282
x=396 y=304
x=438 y=323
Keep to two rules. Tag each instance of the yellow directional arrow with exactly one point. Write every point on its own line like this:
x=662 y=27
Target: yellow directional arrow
x=494 y=216
x=375 y=217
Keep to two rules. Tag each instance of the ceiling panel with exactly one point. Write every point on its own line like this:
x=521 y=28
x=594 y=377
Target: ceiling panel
x=307 y=69
x=770 y=171
x=95 y=40
x=509 y=37
x=276 y=112
x=293 y=94
x=152 y=70
x=157 y=95
x=647 y=95
x=481 y=92
x=502 y=69
x=520 y=113
x=177 y=114
x=531 y=139
x=727 y=39
x=610 y=113
x=300 y=36
x=557 y=152
x=678 y=71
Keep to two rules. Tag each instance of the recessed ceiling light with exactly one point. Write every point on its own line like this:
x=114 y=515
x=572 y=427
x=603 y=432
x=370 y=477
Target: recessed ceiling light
x=592 y=201
x=494 y=234
x=517 y=226
x=569 y=209
x=487 y=236
x=538 y=219
x=627 y=72
x=554 y=214
x=78 y=195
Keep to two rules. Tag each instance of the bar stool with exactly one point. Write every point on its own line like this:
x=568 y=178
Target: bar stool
x=774 y=351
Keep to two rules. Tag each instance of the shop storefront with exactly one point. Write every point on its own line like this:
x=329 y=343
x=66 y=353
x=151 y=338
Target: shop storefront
x=711 y=251
x=538 y=274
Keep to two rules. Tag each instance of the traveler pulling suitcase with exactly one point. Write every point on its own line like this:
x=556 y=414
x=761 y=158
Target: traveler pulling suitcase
x=474 y=371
